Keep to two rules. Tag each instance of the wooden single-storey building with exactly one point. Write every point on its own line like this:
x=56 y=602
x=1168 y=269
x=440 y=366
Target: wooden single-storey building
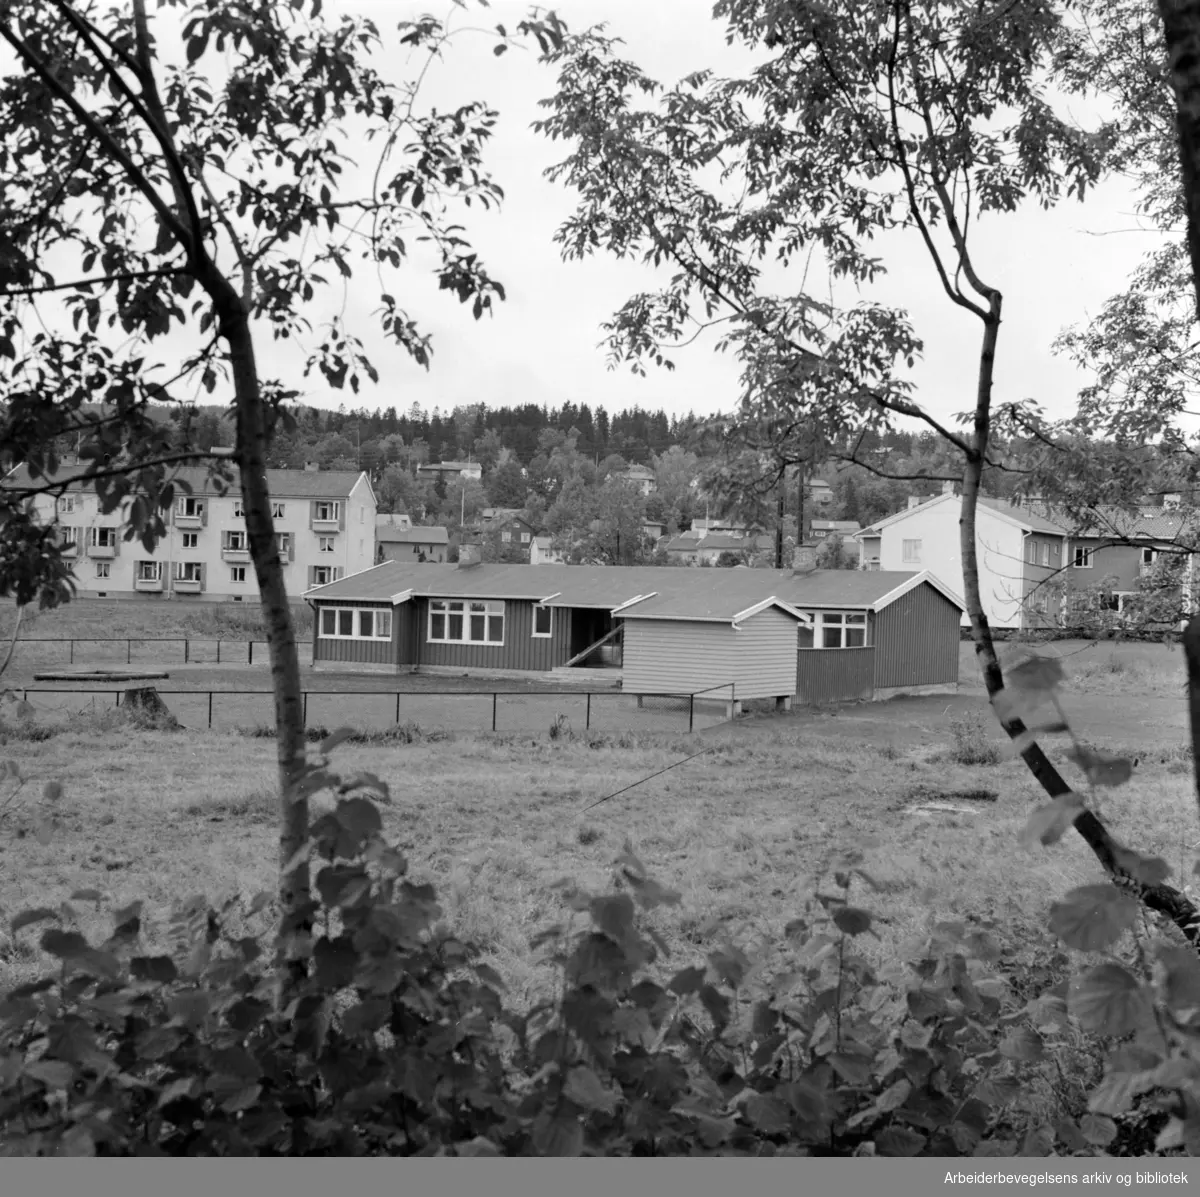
x=823 y=635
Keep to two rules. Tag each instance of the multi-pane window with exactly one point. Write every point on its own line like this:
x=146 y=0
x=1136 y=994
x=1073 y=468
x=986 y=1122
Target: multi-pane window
x=842 y=629
x=459 y=622
x=238 y=510
x=322 y=575
x=149 y=571
x=66 y=505
x=191 y=540
x=325 y=544
x=189 y=571
x=237 y=573
x=104 y=538
x=327 y=511
x=506 y=535
x=349 y=623
x=191 y=507
x=236 y=541
x=284 y=541
x=524 y=537
x=277 y=511
x=1082 y=558
x=68 y=536
x=103 y=569
x=1046 y=553
x=910 y=551
x=543 y=620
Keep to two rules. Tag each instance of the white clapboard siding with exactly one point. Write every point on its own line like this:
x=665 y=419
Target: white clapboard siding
x=677 y=656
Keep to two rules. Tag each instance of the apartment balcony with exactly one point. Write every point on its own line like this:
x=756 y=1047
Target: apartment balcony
x=189 y=521
x=187 y=586
x=326 y=526
x=148 y=585
x=235 y=556
x=102 y=552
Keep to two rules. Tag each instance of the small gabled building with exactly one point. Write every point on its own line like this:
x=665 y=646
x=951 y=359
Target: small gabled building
x=420 y=544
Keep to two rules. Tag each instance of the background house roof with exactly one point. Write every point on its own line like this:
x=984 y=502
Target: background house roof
x=431 y=535
x=609 y=586
x=283 y=484
x=1031 y=521
x=1141 y=523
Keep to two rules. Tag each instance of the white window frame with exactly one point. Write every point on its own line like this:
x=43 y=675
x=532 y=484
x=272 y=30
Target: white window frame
x=524 y=537
x=381 y=623
x=191 y=540
x=237 y=573
x=154 y=574
x=318 y=570
x=69 y=534
x=104 y=569
x=910 y=552
x=236 y=541
x=283 y=543
x=506 y=536
x=325 y=544
x=277 y=510
x=94 y=539
x=327 y=505
x=238 y=510
x=1055 y=547
x=65 y=505
x=466 y=610
x=537 y=610
x=190 y=501
x=1083 y=558
x=189 y=571
x=1046 y=553
x=844 y=622
x=1149 y=556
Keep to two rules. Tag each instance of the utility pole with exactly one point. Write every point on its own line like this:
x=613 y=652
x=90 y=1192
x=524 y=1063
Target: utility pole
x=800 y=538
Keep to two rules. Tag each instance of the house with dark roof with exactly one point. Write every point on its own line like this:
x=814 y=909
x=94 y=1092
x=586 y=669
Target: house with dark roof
x=324 y=523
x=825 y=635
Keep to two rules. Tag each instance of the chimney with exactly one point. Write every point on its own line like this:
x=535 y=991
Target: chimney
x=914 y=501
x=468 y=556
x=804 y=560
x=311 y=467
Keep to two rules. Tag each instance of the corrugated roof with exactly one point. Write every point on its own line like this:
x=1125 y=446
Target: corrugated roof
x=283 y=484
x=609 y=586
x=431 y=535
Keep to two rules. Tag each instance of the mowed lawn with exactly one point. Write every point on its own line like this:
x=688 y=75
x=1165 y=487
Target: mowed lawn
x=745 y=832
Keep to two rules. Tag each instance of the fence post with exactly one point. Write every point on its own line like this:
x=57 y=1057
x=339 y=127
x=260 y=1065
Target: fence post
x=587 y=721
x=691 y=712
x=218 y=652
x=494 y=697
x=304 y=717
x=187 y=647
x=128 y=651
x=250 y=653
x=210 y=694
x=397 y=708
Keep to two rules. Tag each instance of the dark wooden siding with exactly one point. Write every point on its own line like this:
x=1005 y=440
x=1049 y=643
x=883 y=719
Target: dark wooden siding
x=371 y=652
x=520 y=650
x=405 y=642
x=916 y=640
x=834 y=674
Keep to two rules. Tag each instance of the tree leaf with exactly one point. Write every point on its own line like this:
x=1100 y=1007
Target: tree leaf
x=54 y=1074
x=899 y=1141
x=1098 y=1129
x=557 y=1135
x=1149 y=870
x=585 y=1089
x=66 y=945
x=851 y=920
x=1092 y=917
x=1050 y=821
x=159 y=969
x=1023 y=1044
x=340 y=736
x=1036 y=674
x=1101 y=768
x=1110 y=1000
x=27 y=917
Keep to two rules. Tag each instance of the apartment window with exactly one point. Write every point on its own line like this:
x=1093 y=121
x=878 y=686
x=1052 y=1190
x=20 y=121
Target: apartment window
x=327 y=511
x=506 y=535
x=1055 y=547
x=349 y=623
x=191 y=507
x=235 y=541
x=68 y=536
x=1046 y=553
x=238 y=510
x=843 y=629
x=1149 y=556
x=1031 y=552
x=524 y=537
x=543 y=620
x=103 y=569
x=191 y=540
x=66 y=505
x=325 y=544
x=284 y=542
x=104 y=538
x=149 y=571
x=453 y=622
x=237 y=573
x=188 y=571
x=322 y=575
x=910 y=551
x=1082 y=559
x=277 y=511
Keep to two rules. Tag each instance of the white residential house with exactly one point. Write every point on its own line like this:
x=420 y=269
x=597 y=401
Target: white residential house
x=324 y=521
x=541 y=552
x=1017 y=551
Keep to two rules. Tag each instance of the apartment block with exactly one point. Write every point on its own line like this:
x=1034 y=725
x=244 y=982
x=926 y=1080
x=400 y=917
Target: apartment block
x=324 y=523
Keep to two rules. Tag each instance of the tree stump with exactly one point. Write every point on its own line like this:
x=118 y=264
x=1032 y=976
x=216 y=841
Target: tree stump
x=145 y=700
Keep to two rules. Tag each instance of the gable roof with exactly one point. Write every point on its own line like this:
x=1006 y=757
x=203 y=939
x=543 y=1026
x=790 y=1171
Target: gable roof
x=430 y=535
x=283 y=484
x=1022 y=517
x=1140 y=523
x=681 y=593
